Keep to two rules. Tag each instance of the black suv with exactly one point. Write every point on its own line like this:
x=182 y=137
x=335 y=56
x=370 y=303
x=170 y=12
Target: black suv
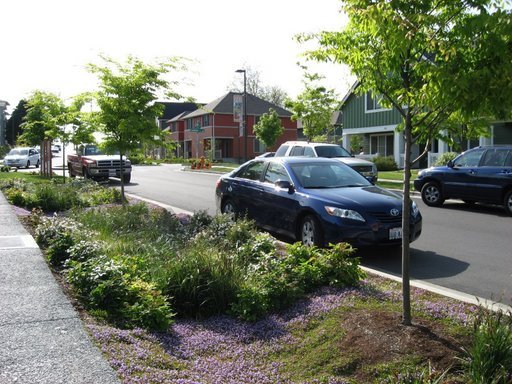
x=482 y=174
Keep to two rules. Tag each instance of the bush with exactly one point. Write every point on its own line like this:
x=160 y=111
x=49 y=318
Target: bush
x=276 y=281
x=203 y=280
x=53 y=198
x=489 y=358
x=56 y=235
x=445 y=158
x=16 y=196
x=387 y=163
x=110 y=290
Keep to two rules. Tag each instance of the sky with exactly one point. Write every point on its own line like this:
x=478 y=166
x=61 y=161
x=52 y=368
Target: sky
x=47 y=44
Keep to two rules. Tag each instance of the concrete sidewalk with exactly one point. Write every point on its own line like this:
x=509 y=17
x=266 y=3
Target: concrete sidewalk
x=42 y=340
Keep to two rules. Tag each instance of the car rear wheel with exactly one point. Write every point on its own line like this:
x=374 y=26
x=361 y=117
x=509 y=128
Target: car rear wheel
x=37 y=164
x=229 y=208
x=431 y=195
x=28 y=164
x=310 y=232
x=508 y=202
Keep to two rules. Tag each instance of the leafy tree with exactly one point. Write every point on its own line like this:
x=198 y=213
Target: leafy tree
x=45 y=120
x=428 y=60
x=254 y=86
x=314 y=107
x=268 y=128
x=127 y=101
x=15 y=121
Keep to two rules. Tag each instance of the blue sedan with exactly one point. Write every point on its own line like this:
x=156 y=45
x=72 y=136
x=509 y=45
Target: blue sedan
x=316 y=201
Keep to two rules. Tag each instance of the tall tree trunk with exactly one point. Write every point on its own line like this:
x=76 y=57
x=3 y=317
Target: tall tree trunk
x=406 y=214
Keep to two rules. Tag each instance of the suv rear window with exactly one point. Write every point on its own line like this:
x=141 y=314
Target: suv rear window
x=281 y=151
x=331 y=151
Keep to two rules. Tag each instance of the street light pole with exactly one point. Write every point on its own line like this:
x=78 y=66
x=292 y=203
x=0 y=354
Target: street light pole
x=245 y=111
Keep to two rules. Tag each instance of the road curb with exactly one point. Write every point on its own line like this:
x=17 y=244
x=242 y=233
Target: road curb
x=447 y=292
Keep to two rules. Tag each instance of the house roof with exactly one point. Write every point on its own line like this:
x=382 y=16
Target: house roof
x=172 y=109
x=224 y=104
x=179 y=117
x=350 y=92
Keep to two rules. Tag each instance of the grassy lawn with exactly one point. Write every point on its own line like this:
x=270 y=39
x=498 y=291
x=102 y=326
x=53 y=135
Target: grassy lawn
x=33 y=177
x=397 y=175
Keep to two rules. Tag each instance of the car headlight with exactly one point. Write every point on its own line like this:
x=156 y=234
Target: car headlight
x=344 y=213
x=414 y=209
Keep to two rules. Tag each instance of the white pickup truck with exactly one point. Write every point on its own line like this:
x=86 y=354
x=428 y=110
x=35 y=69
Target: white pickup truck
x=91 y=163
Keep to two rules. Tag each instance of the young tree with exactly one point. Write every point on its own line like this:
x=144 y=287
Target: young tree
x=45 y=120
x=127 y=101
x=428 y=60
x=269 y=128
x=314 y=107
x=254 y=86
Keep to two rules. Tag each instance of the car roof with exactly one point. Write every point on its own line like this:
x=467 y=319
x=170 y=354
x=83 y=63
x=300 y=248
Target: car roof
x=308 y=143
x=301 y=160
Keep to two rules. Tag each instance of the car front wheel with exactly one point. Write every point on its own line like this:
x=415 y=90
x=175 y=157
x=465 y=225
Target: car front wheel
x=508 y=202
x=431 y=195
x=229 y=208
x=28 y=164
x=310 y=232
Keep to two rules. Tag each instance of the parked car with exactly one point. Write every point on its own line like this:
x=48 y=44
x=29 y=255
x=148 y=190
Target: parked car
x=482 y=174
x=304 y=148
x=316 y=201
x=266 y=154
x=91 y=162
x=22 y=157
x=56 y=148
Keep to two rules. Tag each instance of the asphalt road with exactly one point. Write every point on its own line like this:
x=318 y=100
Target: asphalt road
x=468 y=249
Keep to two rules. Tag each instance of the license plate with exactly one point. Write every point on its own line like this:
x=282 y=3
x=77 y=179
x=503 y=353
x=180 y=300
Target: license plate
x=395 y=233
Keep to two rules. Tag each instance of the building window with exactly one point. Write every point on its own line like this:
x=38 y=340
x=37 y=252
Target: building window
x=259 y=147
x=381 y=145
x=189 y=124
x=206 y=120
x=372 y=103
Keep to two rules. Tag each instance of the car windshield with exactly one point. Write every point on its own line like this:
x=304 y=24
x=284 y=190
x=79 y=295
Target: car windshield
x=327 y=175
x=22 y=152
x=331 y=151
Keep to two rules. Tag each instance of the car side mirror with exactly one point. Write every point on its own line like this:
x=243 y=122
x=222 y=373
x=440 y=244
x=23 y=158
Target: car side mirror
x=450 y=164
x=285 y=184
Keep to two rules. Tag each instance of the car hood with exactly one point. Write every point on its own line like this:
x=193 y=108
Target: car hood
x=103 y=157
x=370 y=198
x=353 y=161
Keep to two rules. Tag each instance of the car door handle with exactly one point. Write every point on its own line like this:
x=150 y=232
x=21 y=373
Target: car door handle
x=472 y=172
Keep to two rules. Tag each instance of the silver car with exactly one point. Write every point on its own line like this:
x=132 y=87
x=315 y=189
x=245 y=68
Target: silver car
x=22 y=157
x=309 y=149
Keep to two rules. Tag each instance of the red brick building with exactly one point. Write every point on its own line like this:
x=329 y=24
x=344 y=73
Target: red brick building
x=214 y=124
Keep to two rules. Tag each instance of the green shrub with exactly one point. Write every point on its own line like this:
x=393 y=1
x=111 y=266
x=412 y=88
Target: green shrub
x=202 y=280
x=489 y=358
x=385 y=163
x=16 y=196
x=275 y=281
x=54 y=198
x=5 y=168
x=84 y=250
x=445 y=158
x=57 y=252
x=51 y=229
x=56 y=235
x=110 y=290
